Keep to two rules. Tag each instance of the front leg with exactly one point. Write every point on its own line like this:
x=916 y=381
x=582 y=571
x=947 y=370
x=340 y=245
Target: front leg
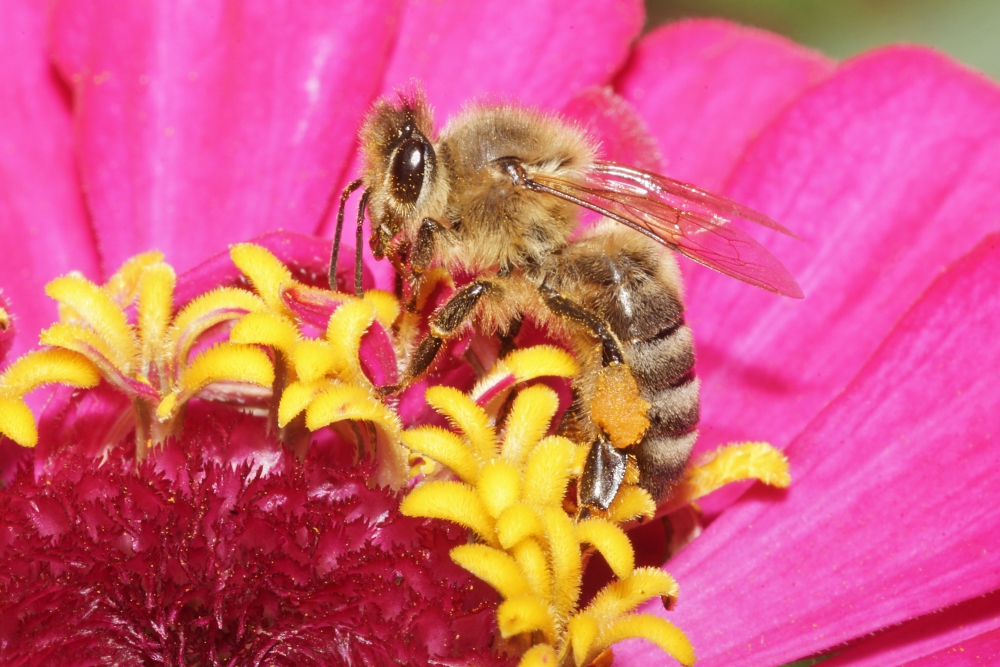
x=452 y=316
x=421 y=256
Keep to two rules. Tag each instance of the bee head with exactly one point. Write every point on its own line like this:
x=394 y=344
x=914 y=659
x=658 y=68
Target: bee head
x=400 y=163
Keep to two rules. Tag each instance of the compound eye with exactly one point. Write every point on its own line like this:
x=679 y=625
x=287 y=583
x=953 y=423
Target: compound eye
x=408 y=166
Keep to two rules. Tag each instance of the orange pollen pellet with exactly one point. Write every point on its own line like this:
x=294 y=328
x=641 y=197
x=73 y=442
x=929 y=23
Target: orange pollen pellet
x=618 y=408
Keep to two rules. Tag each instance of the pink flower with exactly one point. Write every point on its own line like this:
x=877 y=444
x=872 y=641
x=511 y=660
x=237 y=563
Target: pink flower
x=188 y=128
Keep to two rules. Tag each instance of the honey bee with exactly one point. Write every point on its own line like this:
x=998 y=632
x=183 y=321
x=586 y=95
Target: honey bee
x=498 y=195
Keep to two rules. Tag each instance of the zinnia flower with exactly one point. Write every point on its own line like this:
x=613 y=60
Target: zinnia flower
x=132 y=127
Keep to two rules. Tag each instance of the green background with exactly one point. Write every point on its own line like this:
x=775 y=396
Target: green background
x=969 y=30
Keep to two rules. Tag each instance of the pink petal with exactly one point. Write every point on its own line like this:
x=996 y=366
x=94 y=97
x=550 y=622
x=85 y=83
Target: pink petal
x=707 y=88
x=892 y=512
x=43 y=224
x=888 y=171
x=615 y=126
x=539 y=52
x=204 y=123
x=924 y=636
x=983 y=649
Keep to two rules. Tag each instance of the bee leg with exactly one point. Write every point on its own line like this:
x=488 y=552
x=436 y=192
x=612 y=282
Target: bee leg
x=454 y=313
x=420 y=259
x=560 y=305
x=398 y=260
x=603 y=473
x=359 y=243
x=604 y=469
x=508 y=336
x=335 y=255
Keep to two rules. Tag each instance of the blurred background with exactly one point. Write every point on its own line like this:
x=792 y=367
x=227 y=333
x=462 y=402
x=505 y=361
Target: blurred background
x=967 y=29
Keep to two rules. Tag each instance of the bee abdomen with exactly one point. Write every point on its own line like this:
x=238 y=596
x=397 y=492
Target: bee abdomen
x=634 y=286
x=664 y=368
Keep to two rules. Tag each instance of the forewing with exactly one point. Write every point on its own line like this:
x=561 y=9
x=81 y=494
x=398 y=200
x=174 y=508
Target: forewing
x=691 y=221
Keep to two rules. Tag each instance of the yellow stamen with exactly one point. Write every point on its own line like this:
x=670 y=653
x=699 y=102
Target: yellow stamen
x=499 y=486
x=123 y=285
x=265 y=271
x=41 y=367
x=583 y=630
x=528 y=421
x=29 y=372
x=222 y=304
x=611 y=541
x=348 y=402
x=445 y=447
x=540 y=361
x=297 y=397
x=518 y=522
x=540 y=655
x=564 y=550
x=95 y=307
x=265 y=328
x=548 y=470
x=314 y=359
x=89 y=343
x=451 y=501
x=621 y=597
x=661 y=632
x=463 y=413
x=528 y=613
x=17 y=422
x=156 y=307
x=225 y=362
x=494 y=567
x=386 y=307
x=346 y=327
x=732 y=463
x=531 y=559
x=631 y=503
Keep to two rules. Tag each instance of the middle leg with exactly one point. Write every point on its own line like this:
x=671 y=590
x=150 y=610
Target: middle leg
x=452 y=316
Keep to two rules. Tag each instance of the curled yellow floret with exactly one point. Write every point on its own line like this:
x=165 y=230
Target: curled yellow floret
x=495 y=567
x=266 y=328
x=658 y=630
x=445 y=447
x=463 y=414
x=156 y=309
x=42 y=367
x=265 y=271
x=225 y=362
x=525 y=615
x=451 y=501
x=529 y=419
x=732 y=463
x=34 y=369
x=17 y=422
x=99 y=311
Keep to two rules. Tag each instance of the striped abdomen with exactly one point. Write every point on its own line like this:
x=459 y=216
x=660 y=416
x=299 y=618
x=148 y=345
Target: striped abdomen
x=633 y=285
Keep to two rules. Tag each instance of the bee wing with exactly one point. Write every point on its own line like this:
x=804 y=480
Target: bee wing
x=692 y=221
